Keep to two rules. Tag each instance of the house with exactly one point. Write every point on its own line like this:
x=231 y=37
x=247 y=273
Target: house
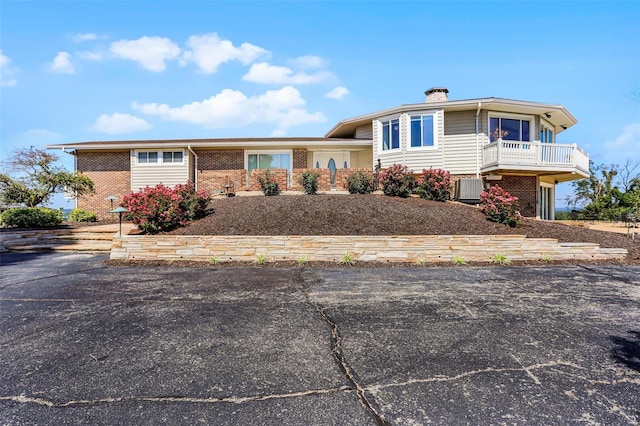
x=480 y=142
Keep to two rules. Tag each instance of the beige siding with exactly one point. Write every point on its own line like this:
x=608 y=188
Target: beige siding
x=364 y=132
x=460 y=150
x=152 y=174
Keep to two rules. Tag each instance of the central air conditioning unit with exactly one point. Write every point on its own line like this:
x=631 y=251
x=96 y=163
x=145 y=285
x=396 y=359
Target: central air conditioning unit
x=468 y=190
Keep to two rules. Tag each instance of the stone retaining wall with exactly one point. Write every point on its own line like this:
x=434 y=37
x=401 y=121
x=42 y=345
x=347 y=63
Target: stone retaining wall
x=361 y=248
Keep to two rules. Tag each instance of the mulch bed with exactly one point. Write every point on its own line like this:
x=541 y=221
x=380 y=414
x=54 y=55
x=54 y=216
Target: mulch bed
x=378 y=215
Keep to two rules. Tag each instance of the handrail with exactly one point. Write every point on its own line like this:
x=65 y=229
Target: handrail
x=534 y=153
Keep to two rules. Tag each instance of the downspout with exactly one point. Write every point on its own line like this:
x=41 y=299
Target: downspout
x=195 y=167
x=478 y=140
x=75 y=170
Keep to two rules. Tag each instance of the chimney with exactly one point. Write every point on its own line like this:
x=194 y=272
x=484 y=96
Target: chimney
x=437 y=94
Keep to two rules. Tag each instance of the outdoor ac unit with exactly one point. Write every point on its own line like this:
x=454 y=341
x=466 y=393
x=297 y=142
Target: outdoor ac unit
x=468 y=190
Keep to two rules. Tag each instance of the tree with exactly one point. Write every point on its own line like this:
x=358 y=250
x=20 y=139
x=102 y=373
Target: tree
x=36 y=177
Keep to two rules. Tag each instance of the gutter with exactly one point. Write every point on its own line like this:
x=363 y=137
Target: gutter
x=195 y=167
x=478 y=141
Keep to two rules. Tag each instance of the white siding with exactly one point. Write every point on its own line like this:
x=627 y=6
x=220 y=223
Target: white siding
x=364 y=132
x=414 y=159
x=152 y=174
x=460 y=150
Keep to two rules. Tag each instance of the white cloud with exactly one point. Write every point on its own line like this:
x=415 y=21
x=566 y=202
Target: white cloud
x=208 y=52
x=272 y=74
x=120 y=123
x=308 y=61
x=90 y=56
x=84 y=37
x=337 y=93
x=627 y=143
x=150 y=52
x=62 y=63
x=231 y=108
x=6 y=72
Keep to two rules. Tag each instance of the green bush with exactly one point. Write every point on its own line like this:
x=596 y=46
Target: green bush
x=397 y=181
x=309 y=182
x=31 y=217
x=268 y=183
x=360 y=183
x=81 y=215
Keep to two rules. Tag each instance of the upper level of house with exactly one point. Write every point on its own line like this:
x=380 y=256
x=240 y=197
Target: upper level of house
x=471 y=137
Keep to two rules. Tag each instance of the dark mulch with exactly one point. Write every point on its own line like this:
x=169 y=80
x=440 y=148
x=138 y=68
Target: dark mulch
x=378 y=215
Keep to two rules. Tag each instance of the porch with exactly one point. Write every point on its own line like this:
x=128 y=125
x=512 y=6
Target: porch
x=564 y=162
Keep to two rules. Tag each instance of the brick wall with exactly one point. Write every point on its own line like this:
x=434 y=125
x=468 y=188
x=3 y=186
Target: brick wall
x=232 y=159
x=279 y=174
x=299 y=158
x=111 y=174
x=343 y=174
x=215 y=180
x=523 y=187
x=324 y=180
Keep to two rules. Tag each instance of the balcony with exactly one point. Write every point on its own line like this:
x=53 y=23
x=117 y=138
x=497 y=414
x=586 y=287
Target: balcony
x=563 y=162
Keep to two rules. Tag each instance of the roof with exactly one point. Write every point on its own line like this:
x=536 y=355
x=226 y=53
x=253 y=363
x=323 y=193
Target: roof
x=559 y=115
x=211 y=143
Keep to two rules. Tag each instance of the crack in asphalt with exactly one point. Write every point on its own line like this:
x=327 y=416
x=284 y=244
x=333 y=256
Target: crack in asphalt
x=344 y=366
x=93 y=268
x=23 y=399
x=608 y=274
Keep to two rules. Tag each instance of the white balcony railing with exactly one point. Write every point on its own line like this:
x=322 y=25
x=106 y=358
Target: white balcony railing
x=534 y=155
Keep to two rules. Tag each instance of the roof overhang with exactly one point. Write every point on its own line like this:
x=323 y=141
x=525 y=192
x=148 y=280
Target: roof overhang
x=557 y=115
x=214 y=143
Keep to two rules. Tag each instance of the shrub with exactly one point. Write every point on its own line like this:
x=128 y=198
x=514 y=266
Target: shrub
x=500 y=206
x=434 y=184
x=397 y=181
x=268 y=183
x=157 y=209
x=360 y=183
x=31 y=217
x=309 y=182
x=82 y=215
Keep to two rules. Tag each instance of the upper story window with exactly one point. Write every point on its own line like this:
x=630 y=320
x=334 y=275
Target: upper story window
x=422 y=134
x=390 y=135
x=509 y=129
x=160 y=157
x=546 y=134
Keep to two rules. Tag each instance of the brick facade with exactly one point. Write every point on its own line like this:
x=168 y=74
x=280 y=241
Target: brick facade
x=279 y=174
x=221 y=160
x=324 y=180
x=523 y=187
x=111 y=174
x=299 y=158
x=214 y=181
x=343 y=174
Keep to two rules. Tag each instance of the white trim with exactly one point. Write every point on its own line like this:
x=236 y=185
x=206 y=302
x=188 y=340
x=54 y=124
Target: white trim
x=160 y=162
x=381 y=133
x=269 y=151
x=434 y=130
x=514 y=116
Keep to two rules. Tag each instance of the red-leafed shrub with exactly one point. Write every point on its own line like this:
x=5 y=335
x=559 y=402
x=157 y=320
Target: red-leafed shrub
x=434 y=184
x=159 y=208
x=500 y=206
x=397 y=181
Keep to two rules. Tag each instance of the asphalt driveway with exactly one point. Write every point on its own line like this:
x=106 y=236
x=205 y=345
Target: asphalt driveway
x=83 y=343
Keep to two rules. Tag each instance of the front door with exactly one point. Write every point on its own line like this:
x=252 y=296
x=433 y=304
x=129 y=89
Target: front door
x=332 y=161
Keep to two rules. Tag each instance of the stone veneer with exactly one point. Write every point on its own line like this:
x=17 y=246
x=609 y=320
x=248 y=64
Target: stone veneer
x=412 y=248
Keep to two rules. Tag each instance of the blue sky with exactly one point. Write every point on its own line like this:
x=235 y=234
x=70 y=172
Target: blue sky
x=95 y=70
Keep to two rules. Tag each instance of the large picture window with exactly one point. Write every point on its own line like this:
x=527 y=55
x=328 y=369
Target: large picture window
x=390 y=135
x=422 y=131
x=269 y=161
x=509 y=129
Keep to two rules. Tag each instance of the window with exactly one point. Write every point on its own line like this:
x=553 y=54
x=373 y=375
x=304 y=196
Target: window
x=269 y=161
x=172 y=157
x=160 y=157
x=509 y=129
x=422 y=131
x=391 y=135
x=147 y=157
x=546 y=135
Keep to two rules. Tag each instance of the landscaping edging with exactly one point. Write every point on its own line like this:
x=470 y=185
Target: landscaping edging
x=411 y=248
